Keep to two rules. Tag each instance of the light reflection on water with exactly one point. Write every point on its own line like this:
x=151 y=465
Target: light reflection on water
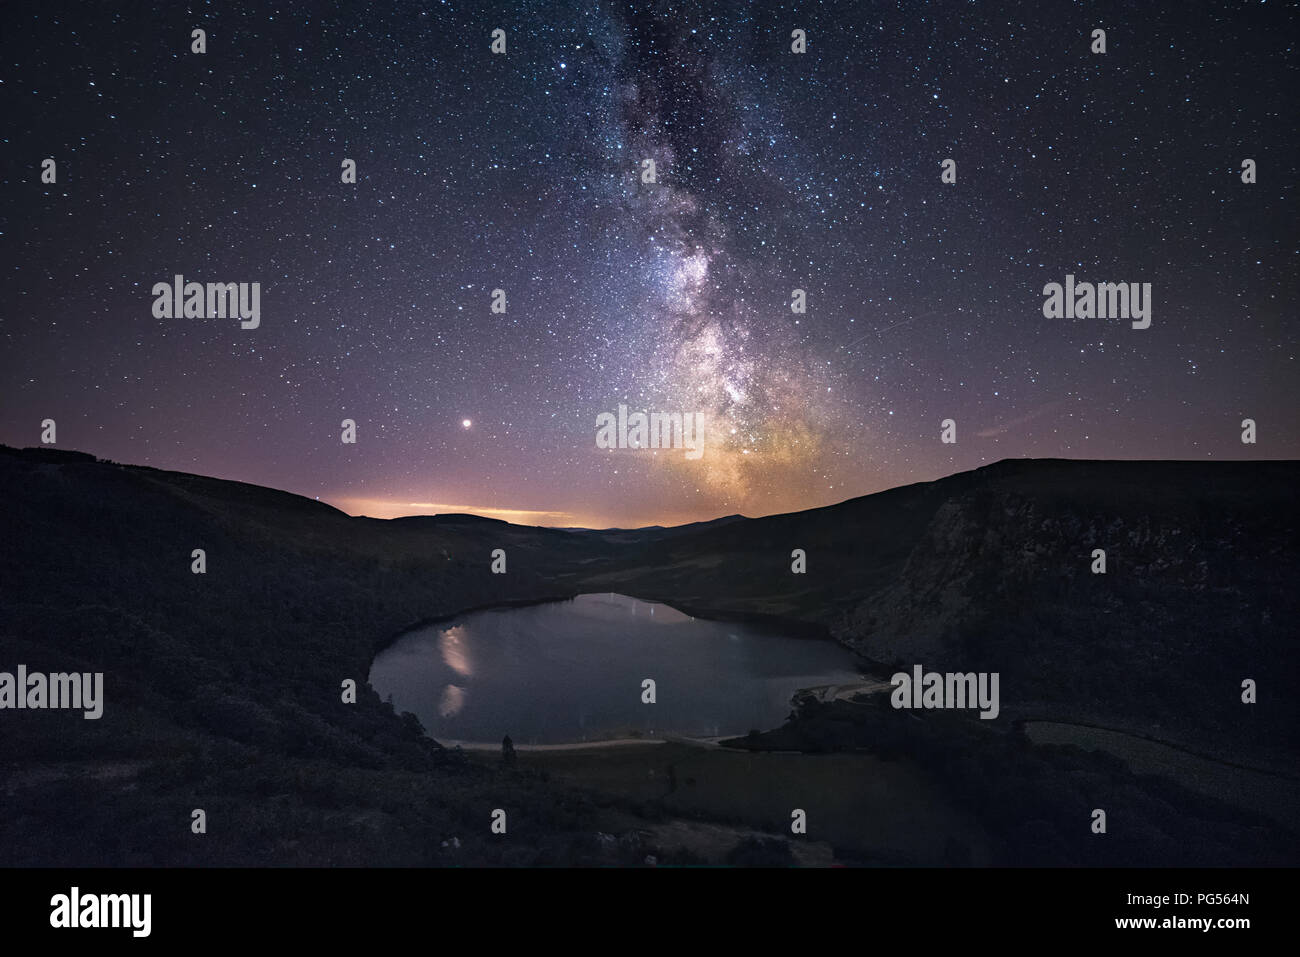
x=455 y=653
x=453 y=699
x=573 y=671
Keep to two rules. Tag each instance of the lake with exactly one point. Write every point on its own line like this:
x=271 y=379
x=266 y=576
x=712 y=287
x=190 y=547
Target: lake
x=572 y=671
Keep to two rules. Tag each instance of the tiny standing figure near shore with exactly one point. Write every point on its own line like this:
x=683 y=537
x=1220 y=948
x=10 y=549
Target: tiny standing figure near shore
x=507 y=750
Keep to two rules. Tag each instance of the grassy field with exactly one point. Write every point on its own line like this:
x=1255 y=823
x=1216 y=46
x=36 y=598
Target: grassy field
x=868 y=809
x=1273 y=795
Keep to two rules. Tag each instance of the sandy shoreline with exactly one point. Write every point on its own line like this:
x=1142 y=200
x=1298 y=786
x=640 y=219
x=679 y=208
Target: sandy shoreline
x=821 y=693
x=567 y=746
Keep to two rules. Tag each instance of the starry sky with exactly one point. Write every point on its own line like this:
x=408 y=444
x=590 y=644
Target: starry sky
x=775 y=171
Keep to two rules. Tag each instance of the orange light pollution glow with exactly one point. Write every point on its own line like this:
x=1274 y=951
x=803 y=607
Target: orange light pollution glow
x=382 y=508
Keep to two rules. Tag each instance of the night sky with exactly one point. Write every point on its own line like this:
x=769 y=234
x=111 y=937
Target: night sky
x=776 y=171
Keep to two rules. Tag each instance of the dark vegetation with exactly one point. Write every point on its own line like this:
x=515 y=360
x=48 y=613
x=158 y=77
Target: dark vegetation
x=1036 y=801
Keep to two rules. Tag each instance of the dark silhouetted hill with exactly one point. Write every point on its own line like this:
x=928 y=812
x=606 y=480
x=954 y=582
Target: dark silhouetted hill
x=223 y=689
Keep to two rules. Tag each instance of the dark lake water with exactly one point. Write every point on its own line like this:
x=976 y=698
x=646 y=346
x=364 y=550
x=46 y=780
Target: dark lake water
x=572 y=671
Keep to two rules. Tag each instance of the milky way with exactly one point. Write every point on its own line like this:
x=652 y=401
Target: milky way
x=775 y=171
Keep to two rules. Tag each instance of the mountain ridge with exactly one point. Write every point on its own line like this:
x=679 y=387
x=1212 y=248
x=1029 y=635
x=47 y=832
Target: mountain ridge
x=228 y=681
